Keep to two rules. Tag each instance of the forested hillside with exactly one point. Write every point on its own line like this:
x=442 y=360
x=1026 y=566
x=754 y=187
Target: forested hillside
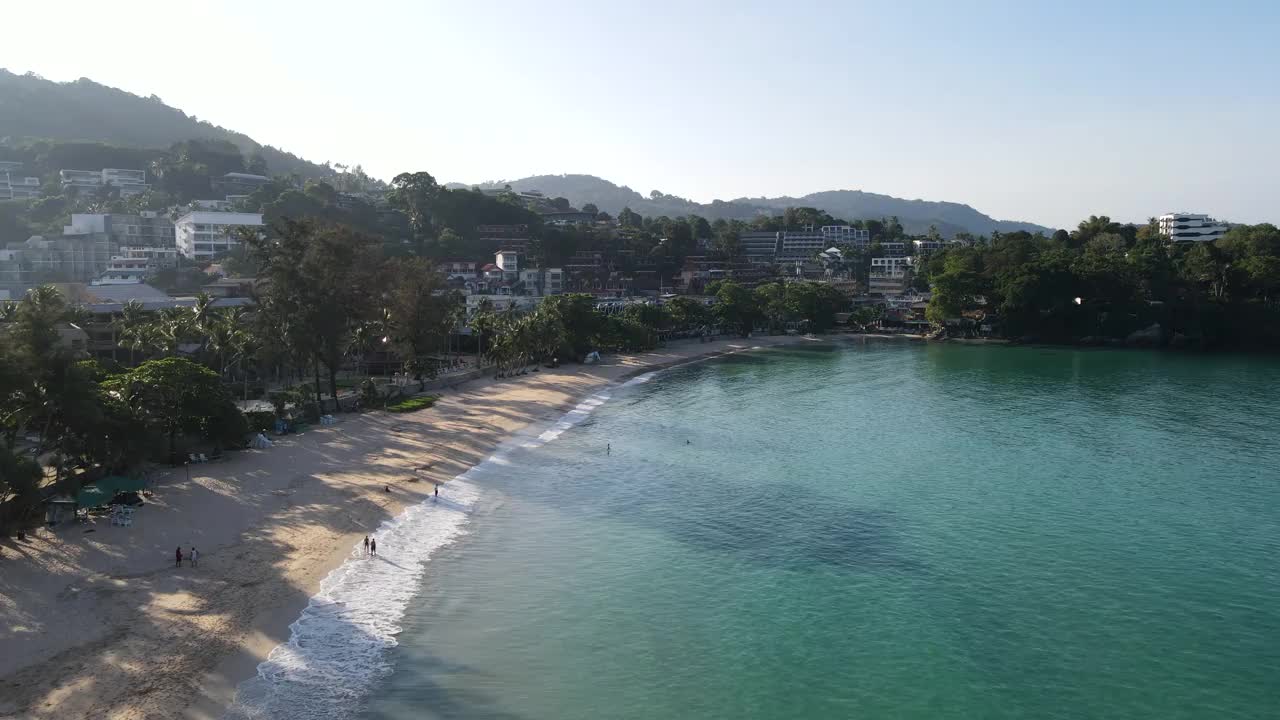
x=34 y=108
x=916 y=216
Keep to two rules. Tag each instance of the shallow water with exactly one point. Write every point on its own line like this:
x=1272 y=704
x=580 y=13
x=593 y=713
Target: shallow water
x=871 y=530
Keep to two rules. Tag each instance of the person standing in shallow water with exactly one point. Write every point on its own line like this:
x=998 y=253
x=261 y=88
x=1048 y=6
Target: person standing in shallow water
x=373 y=546
x=366 y=544
x=177 y=554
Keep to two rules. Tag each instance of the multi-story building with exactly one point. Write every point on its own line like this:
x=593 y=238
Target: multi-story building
x=150 y=229
x=553 y=281
x=893 y=249
x=567 y=217
x=70 y=258
x=14 y=185
x=1190 y=227
x=889 y=275
x=585 y=261
x=508 y=261
x=761 y=245
x=124 y=271
x=800 y=245
x=202 y=235
x=213 y=205
x=846 y=235
x=135 y=263
x=159 y=257
x=128 y=182
x=234 y=183
x=924 y=247
x=457 y=268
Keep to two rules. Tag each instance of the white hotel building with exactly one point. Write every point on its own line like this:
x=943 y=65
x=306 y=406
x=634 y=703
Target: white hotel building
x=128 y=182
x=202 y=235
x=1189 y=227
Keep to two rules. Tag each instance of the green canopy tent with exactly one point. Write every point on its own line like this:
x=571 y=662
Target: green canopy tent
x=103 y=491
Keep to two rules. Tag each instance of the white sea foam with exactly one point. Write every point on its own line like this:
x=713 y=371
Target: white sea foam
x=571 y=418
x=337 y=647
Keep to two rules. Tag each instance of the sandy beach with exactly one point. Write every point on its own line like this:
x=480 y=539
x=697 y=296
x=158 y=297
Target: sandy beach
x=97 y=622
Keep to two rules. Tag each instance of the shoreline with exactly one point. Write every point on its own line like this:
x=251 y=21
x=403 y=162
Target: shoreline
x=102 y=624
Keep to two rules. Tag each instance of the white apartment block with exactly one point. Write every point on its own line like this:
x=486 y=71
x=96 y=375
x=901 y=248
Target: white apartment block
x=16 y=187
x=537 y=281
x=891 y=266
x=202 y=235
x=846 y=235
x=128 y=182
x=893 y=249
x=924 y=247
x=124 y=271
x=1190 y=227
x=508 y=261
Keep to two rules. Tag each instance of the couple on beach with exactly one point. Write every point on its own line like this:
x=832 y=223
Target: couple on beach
x=193 y=557
x=370 y=545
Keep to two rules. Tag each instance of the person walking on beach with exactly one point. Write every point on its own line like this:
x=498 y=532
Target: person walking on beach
x=366 y=544
x=437 y=496
x=373 y=546
x=177 y=554
x=195 y=556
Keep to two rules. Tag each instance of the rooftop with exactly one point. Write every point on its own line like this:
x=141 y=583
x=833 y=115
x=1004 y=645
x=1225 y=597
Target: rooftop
x=124 y=293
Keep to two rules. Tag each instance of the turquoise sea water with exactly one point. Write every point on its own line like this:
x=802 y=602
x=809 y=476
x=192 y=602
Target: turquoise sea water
x=873 y=530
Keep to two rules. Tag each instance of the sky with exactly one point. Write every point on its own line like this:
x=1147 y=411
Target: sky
x=1040 y=111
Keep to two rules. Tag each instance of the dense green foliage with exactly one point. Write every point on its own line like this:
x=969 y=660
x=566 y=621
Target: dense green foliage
x=1107 y=281
x=175 y=396
x=178 y=175
x=77 y=415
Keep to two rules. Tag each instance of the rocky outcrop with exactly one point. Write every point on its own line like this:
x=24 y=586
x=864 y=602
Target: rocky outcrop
x=1146 y=337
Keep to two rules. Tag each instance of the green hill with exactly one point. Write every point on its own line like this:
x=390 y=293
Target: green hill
x=915 y=215
x=32 y=108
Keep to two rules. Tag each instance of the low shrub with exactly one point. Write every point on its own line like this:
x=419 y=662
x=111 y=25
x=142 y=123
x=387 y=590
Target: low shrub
x=412 y=404
x=260 y=420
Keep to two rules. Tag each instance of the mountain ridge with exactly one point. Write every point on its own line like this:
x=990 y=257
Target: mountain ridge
x=915 y=215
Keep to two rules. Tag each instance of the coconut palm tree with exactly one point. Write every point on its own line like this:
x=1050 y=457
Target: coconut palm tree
x=126 y=323
x=173 y=328
x=202 y=312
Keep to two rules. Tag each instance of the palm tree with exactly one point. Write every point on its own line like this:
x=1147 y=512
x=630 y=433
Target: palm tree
x=484 y=323
x=247 y=345
x=202 y=311
x=173 y=328
x=126 y=323
x=221 y=339
x=369 y=334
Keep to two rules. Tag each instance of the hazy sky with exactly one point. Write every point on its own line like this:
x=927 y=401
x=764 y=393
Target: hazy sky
x=1040 y=111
